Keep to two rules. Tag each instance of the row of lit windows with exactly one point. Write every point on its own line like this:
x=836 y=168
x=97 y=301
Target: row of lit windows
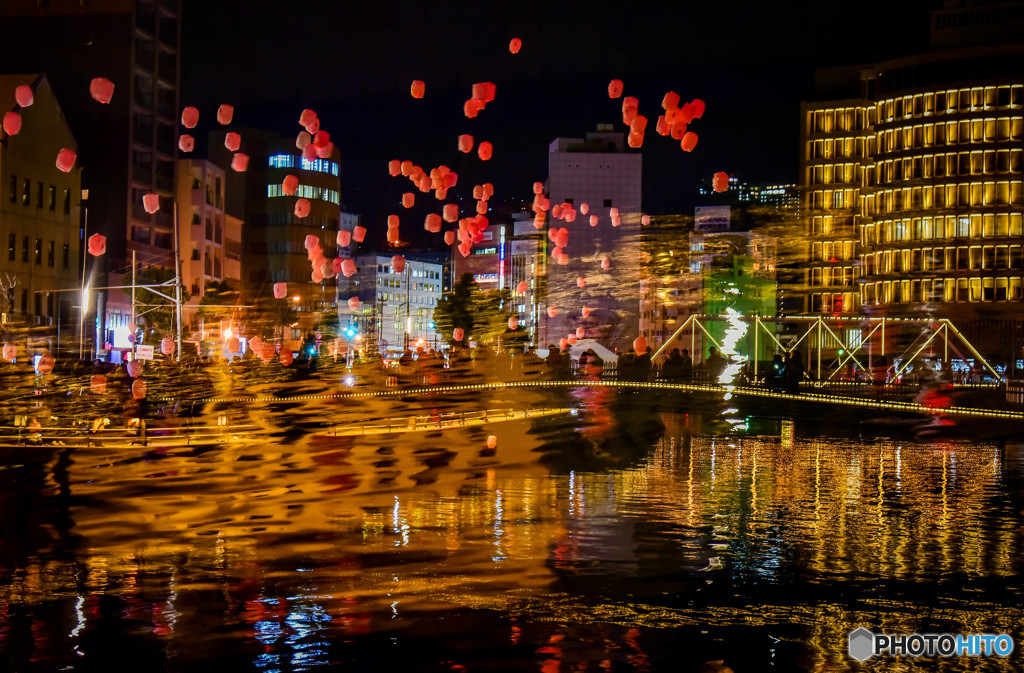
x=829 y=225
x=317 y=165
x=826 y=276
x=952 y=290
x=988 y=130
x=834 y=173
x=932 y=196
x=413 y=272
x=831 y=251
x=834 y=302
x=306 y=192
x=977 y=162
x=37 y=251
x=963 y=258
x=25 y=195
x=976 y=225
x=401 y=298
x=832 y=199
x=843 y=148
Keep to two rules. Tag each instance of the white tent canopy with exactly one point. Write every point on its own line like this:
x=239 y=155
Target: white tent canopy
x=583 y=345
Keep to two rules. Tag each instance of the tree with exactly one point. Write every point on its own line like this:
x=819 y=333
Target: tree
x=219 y=299
x=267 y=316
x=158 y=312
x=482 y=315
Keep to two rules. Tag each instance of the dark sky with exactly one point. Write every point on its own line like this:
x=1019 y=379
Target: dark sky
x=353 y=62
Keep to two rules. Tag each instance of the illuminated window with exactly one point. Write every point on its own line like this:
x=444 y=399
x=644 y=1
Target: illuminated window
x=281 y=161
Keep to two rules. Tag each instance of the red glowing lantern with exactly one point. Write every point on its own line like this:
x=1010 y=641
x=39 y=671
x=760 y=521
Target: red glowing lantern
x=465 y=143
x=433 y=223
x=289 y=185
x=325 y=151
x=12 y=123
x=358 y=233
x=640 y=345
x=471 y=108
x=139 y=389
x=522 y=287
x=398 y=264
x=663 y=127
x=720 y=181
x=24 y=95
x=552 y=311
x=186 y=143
x=134 y=368
x=393 y=235
x=484 y=151
x=616 y=221
x=353 y=304
x=581 y=282
x=458 y=333
x=287 y=357
x=10 y=352
x=309 y=152
x=307 y=117
x=348 y=267
x=593 y=220
x=392 y=221
x=301 y=208
x=344 y=238
x=584 y=208
x=151 y=202
x=513 y=323
x=302 y=140
x=66 y=160
x=689 y=141
x=580 y=332
x=615 y=88
x=311 y=242
x=232 y=141
x=418 y=88
x=224 y=115
x=394 y=167
x=280 y=290
x=645 y=220
x=336 y=265
x=97 y=245
x=670 y=100
x=167 y=345
x=408 y=199
x=101 y=89
x=563 y=343
x=635 y=140
x=450 y=212
x=697 y=105
x=585 y=311
x=515 y=45
x=98 y=384
x=190 y=117
x=233 y=344
x=606 y=263
x=239 y=162
x=492 y=441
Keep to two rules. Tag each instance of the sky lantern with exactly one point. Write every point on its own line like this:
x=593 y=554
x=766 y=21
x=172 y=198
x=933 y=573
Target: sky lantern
x=316 y=275
x=398 y=263
x=268 y=351
x=465 y=143
x=358 y=233
x=336 y=265
x=433 y=222
x=616 y=221
x=393 y=236
x=344 y=238
x=98 y=384
x=458 y=334
x=552 y=311
x=10 y=352
x=593 y=220
x=232 y=141
x=449 y=237
x=394 y=168
x=689 y=141
x=167 y=346
x=485 y=151
x=190 y=117
x=606 y=263
x=309 y=152
x=585 y=311
x=481 y=207
x=471 y=108
x=151 y=202
x=280 y=290
x=313 y=126
x=581 y=332
x=406 y=167
x=348 y=267
x=638 y=125
x=301 y=208
x=307 y=117
x=640 y=344
x=324 y=151
x=492 y=441
x=322 y=139
x=12 y=123
x=239 y=162
x=484 y=91
x=302 y=140
x=134 y=368
x=101 y=89
x=615 y=88
x=24 y=95
x=139 y=389
x=698 y=108
x=670 y=100
x=287 y=357
x=613 y=212
x=514 y=45
x=418 y=88
x=635 y=140
x=392 y=221
x=97 y=245
x=234 y=345
x=662 y=127
x=571 y=339
x=66 y=160
x=563 y=343
x=584 y=208
x=450 y=212
x=581 y=282
x=522 y=287
x=289 y=185
x=225 y=113
x=186 y=143
x=311 y=242
x=538 y=188
x=630 y=107
x=353 y=304
x=645 y=220
x=408 y=200
x=677 y=130
x=513 y=323
x=720 y=181
x=538 y=220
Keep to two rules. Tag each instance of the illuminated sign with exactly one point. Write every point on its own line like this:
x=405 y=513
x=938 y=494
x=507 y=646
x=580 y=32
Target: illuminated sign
x=711 y=218
x=486 y=251
x=485 y=277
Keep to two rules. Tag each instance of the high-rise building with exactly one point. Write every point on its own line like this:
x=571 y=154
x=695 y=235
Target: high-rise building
x=912 y=178
x=599 y=171
x=39 y=219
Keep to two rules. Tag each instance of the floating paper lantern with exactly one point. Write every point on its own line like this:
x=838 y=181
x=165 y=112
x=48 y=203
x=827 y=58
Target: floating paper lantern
x=450 y=212
x=289 y=185
x=348 y=267
x=186 y=143
x=268 y=351
x=485 y=151
x=302 y=140
x=101 y=89
x=662 y=126
x=97 y=245
x=645 y=220
x=393 y=235
x=139 y=389
x=481 y=207
x=280 y=290
x=98 y=384
x=433 y=223
x=492 y=441
x=513 y=323
x=190 y=117
x=449 y=237
x=234 y=345
x=418 y=88
x=585 y=311
x=134 y=368
x=458 y=333
x=515 y=45
x=24 y=95
x=325 y=151
x=287 y=357
x=552 y=311
x=563 y=343
x=689 y=141
x=12 y=123
x=358 y=233
x=336 y=265
x=606 y=263
x=398 y=264
x=616 y=221
x=232 y=141
x=316 y=275
x=720 y=181
x=224 y=114
x=635 y=140
x=66 y=160
x=307 y=117
x=581 y=282
x=394 y=168
x=613 y=212
x=593 y=220
x=309 y=152
x=670 y=100
x=522 y=287
x=581 y=332
x=10 y=352
x=640 y=344
x=584 y=208
x=392 y=221
x=571 y=339
x=408 y=200
x=353 y=304
x=698 y=108
x=239 y=162
x=301 y=208
x=344 y=238
x=151 y=202
x=615 y=88
x=465 y=143
x=167 y=345
x=311 y=242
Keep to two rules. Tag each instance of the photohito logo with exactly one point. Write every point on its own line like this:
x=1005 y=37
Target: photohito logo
x=865 y=644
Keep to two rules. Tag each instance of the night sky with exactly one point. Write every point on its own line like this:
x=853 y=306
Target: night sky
x=751 y=63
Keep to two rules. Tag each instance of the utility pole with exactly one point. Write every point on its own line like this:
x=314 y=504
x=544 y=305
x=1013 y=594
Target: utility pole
x=177 y=276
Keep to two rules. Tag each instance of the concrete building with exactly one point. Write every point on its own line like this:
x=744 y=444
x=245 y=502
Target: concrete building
x=39 y=219
x=600 y=171
x=527 y=263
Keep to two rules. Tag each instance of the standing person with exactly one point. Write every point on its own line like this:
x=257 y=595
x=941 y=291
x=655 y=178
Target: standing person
x=626 y=366
x=715 y=363
x=644 y=365
x=671 y=371
x=794 y=372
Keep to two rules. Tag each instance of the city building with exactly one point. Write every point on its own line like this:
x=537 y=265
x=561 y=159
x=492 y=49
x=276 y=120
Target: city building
x=600 y=171
x=911 y=171
x=527 y=263
x=487 y=260
x=744 y=193
x=41 y=281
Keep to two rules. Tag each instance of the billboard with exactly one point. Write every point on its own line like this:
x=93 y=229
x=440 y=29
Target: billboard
x=711 y=218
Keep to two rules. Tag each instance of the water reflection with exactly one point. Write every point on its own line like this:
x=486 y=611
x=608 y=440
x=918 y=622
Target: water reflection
x=614 y=538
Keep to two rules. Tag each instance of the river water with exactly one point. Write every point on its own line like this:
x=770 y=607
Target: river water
x=625 y=535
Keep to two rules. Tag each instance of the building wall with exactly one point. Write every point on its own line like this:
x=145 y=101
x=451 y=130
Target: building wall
x=399 y=307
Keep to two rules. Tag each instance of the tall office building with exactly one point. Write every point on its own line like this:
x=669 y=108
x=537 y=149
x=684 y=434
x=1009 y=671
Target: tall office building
x=913 y=177
x=600 y=171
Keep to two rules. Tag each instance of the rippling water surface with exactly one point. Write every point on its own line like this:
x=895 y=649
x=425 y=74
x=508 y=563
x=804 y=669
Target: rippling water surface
x=614 y=538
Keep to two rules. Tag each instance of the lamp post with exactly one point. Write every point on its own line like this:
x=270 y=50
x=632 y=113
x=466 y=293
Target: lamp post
x=84 y=300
